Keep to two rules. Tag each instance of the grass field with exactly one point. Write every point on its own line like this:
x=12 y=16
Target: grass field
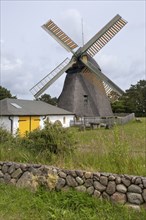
x=117 y=150
x=21 y=204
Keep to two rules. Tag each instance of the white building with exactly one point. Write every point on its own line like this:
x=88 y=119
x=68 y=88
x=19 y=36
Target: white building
x=27 y=115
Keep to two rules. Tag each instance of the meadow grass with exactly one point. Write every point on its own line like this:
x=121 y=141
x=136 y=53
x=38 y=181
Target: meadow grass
x=117 y=150
x=21 y=204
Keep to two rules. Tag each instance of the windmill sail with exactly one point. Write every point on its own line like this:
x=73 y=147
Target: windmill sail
x=103 y=77
x=103 y=36
x=47 y=81
x=59 y=35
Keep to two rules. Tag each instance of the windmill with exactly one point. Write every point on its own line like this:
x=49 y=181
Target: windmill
x=86 y=87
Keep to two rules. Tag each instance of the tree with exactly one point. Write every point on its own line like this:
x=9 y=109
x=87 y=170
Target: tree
x=133 y=100
x=4 y=93
x=47 y=98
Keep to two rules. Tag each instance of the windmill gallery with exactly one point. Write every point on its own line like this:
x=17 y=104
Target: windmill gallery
x=86 y=88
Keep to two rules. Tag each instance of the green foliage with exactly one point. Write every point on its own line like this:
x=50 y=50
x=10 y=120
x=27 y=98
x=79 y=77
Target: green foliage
x=53 y=138
x=5 y=136
x=48 y=99
x=4 y=93
x=133 y=100
x=21 y=204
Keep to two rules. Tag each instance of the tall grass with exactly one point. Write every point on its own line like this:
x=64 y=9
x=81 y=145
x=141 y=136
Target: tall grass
x=117 y=150
x=21 y=204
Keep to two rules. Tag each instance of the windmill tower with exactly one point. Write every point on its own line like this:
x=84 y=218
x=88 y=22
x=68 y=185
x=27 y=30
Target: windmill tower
x=86 y=87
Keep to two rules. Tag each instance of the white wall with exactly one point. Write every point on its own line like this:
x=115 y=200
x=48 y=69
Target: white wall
x=6 y=123
x=64 y=119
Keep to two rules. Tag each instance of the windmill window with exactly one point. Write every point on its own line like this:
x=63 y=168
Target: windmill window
x=85 y=98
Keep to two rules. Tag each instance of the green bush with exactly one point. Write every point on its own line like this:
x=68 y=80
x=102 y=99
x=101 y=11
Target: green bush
x=5 y=136
x=53 y=138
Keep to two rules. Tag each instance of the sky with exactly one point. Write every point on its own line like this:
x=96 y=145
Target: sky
x=28 y=53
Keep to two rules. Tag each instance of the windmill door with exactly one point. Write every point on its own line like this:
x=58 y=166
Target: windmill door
x=28 y=123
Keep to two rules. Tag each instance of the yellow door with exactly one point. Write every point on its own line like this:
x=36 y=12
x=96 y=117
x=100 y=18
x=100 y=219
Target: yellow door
x=35 y=123
x=27 y=124
x=24 y=125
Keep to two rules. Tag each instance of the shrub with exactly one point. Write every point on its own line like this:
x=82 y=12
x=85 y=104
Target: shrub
x=52 y=138
x=5 y=136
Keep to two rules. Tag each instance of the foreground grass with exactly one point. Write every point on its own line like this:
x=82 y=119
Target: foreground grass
x=117 y=150
x=21 y=204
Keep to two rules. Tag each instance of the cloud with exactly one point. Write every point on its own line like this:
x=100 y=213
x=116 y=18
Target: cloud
x=7 y=64
x=16 y=76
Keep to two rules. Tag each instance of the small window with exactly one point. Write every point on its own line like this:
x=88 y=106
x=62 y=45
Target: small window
x=16 y=105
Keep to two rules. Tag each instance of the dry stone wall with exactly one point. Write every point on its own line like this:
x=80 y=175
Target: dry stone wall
x=124 y=189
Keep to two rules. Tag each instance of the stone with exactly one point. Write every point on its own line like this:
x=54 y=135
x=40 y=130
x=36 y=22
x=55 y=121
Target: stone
x=96 y=174
x=81 y=188
x=128 y=177
x=111 y=187
x=1 y=180
x=17 y=173
x=79 y=180
x=121 y=188
x=99 y=186
x=119 y=198
x=106 y=174
x=62 y=174
x=141 y=186
x=1 y=174
x=11 y=169
x=13 y=181
x=134 y=207
x=96 y=193
x=7 y=178
x=144 y=183
x=126 y=182
x=111 y=177
x=105 y=196
x=134 y=198
x=88 y=182
x=96 y=177
x=88 y=175
x=66 y=188
x=79 y=173
x=34 y=171
x=118 y=180
x=134 y=188
x=138 y=181
x=27 y=180
x=72 y=173
x=144 y=194
x=90 y=190
x=133 y=179
x=60 y=183
x=71 y=181
x=34 y=165
x=16 y=165
x=104 y=180
x=4 y=168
